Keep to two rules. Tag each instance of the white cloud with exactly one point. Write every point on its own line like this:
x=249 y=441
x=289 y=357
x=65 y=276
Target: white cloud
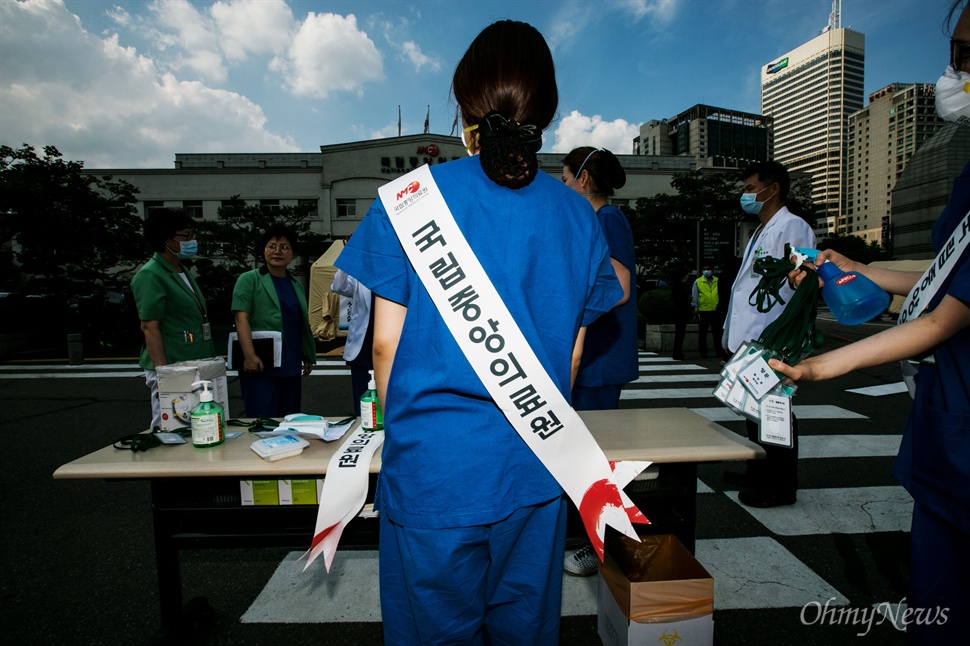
x=327 y=54
x=259 y=27
x=577 y=129
x=119 y=15
x=568 y=24
x=412 y=52
x=108 y=105
x=661 y=10
x=181 y=25
x=409 y=50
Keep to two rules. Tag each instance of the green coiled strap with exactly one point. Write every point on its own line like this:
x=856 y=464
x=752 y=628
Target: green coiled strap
x=792 y=335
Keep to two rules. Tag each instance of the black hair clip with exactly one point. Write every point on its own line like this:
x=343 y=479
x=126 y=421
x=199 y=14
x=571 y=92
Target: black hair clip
x=497 y=125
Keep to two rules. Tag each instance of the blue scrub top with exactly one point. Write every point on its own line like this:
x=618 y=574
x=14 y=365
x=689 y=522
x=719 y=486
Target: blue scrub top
x=292 y=360
x=610 y=351
x=450 y=458
x=934 y=456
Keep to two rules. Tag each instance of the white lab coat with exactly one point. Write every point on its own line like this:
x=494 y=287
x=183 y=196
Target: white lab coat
x=360 y=296
x=744 y=322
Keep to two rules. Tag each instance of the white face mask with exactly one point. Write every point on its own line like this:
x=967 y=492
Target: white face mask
x=953 y=96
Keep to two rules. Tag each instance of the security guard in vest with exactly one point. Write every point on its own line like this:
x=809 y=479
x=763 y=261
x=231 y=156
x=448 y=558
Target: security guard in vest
x=703 y=299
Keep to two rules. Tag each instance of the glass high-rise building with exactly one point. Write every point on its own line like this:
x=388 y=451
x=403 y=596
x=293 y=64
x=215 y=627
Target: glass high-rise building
x=810 y=93
x=883 y=137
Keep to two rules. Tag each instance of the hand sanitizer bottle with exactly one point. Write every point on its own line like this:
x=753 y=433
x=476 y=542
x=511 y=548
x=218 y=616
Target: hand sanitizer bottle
x=371 y=417
x=852 y=298
x=208 y=419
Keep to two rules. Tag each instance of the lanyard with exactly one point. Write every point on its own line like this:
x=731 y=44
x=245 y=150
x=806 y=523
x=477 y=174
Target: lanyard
x=187 y=282
x=502 y=358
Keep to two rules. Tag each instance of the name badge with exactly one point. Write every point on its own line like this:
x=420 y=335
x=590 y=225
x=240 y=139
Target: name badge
x=776 y=419
x=206 y=331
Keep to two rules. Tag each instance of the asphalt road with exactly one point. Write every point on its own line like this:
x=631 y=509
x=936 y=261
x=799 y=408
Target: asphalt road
x=78 y=555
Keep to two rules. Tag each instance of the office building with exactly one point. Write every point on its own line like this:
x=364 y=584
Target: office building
x=883 y=137
x=810 y=93
x=714 y=137
x=339 y=183
x=923 y=189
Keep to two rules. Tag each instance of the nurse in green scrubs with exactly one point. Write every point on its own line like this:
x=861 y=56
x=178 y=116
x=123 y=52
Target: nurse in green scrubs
x=170 y=304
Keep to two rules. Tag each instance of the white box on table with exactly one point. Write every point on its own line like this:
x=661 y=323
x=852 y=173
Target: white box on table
x=177 y=396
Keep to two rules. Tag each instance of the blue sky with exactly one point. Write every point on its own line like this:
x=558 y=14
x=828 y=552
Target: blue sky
x=129 y=84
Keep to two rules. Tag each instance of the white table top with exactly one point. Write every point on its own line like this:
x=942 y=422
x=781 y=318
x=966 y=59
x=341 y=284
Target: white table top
x=660 y=435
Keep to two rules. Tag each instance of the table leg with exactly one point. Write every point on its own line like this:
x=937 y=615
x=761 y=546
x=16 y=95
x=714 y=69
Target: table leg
x=169 y=572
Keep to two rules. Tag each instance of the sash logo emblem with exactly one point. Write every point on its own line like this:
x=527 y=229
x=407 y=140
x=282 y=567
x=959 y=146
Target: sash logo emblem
x=410 y=189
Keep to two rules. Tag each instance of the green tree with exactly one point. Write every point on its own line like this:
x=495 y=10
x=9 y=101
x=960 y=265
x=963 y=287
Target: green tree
x=229 y=246
x=854 y=247
x=665 y=225
x=60 y=226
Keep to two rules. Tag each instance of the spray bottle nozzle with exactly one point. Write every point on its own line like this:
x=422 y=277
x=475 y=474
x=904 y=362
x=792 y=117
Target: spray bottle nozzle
x=206 y=394
x=802 y=254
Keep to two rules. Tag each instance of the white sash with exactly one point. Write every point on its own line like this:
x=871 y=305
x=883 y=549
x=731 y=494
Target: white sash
x=499 y=353
x=929 y=284
x=344 y=492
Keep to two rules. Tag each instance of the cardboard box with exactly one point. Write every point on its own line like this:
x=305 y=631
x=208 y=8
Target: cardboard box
x=280 y=492
x=177 y=396
x=654 y=592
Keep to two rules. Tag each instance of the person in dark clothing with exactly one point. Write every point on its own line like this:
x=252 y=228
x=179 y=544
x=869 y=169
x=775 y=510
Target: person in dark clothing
x=730 y=272
x=680 y=298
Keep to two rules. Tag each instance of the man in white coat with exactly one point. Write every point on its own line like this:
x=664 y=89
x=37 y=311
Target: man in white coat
x=360 y=333
x=773 y=481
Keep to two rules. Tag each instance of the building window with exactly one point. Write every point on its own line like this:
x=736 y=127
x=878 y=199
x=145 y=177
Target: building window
x=269 y=207
x=152 y=204
x=308 y=206
x=193 y=209
x=346 y=208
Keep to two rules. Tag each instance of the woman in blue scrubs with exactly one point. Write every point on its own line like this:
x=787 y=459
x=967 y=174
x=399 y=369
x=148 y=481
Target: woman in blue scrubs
x=934 y=457
x=269 y=299
x=609 y=359
x=472 y=523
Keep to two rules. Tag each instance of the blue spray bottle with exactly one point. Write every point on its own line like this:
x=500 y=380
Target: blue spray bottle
x=852 y=298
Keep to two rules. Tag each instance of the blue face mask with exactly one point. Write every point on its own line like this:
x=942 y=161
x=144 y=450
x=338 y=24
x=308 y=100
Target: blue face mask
x=188 y=249
x=751 y=205
x=708 y=273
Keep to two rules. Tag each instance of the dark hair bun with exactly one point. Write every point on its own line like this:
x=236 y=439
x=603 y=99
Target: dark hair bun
x=507 y=150
x=611 y=171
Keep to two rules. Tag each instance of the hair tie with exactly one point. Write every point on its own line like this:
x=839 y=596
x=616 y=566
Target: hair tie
x=496 y=125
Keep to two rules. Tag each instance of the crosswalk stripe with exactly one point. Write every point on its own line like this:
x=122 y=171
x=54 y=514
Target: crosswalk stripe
x=672 y=366
x=848 y=446
x=723 y=414
x=138 y=373
x=739 y=567
x=667 y=393
x=657 y=379
x=852 y=510
x=881 y=389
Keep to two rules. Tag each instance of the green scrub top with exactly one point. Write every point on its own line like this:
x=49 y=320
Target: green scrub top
x=162 y=295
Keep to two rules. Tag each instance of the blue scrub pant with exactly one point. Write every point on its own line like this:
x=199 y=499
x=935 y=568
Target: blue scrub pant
x=488 y=584
x=271 y=396
x=939 y=578
x=597 y=397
